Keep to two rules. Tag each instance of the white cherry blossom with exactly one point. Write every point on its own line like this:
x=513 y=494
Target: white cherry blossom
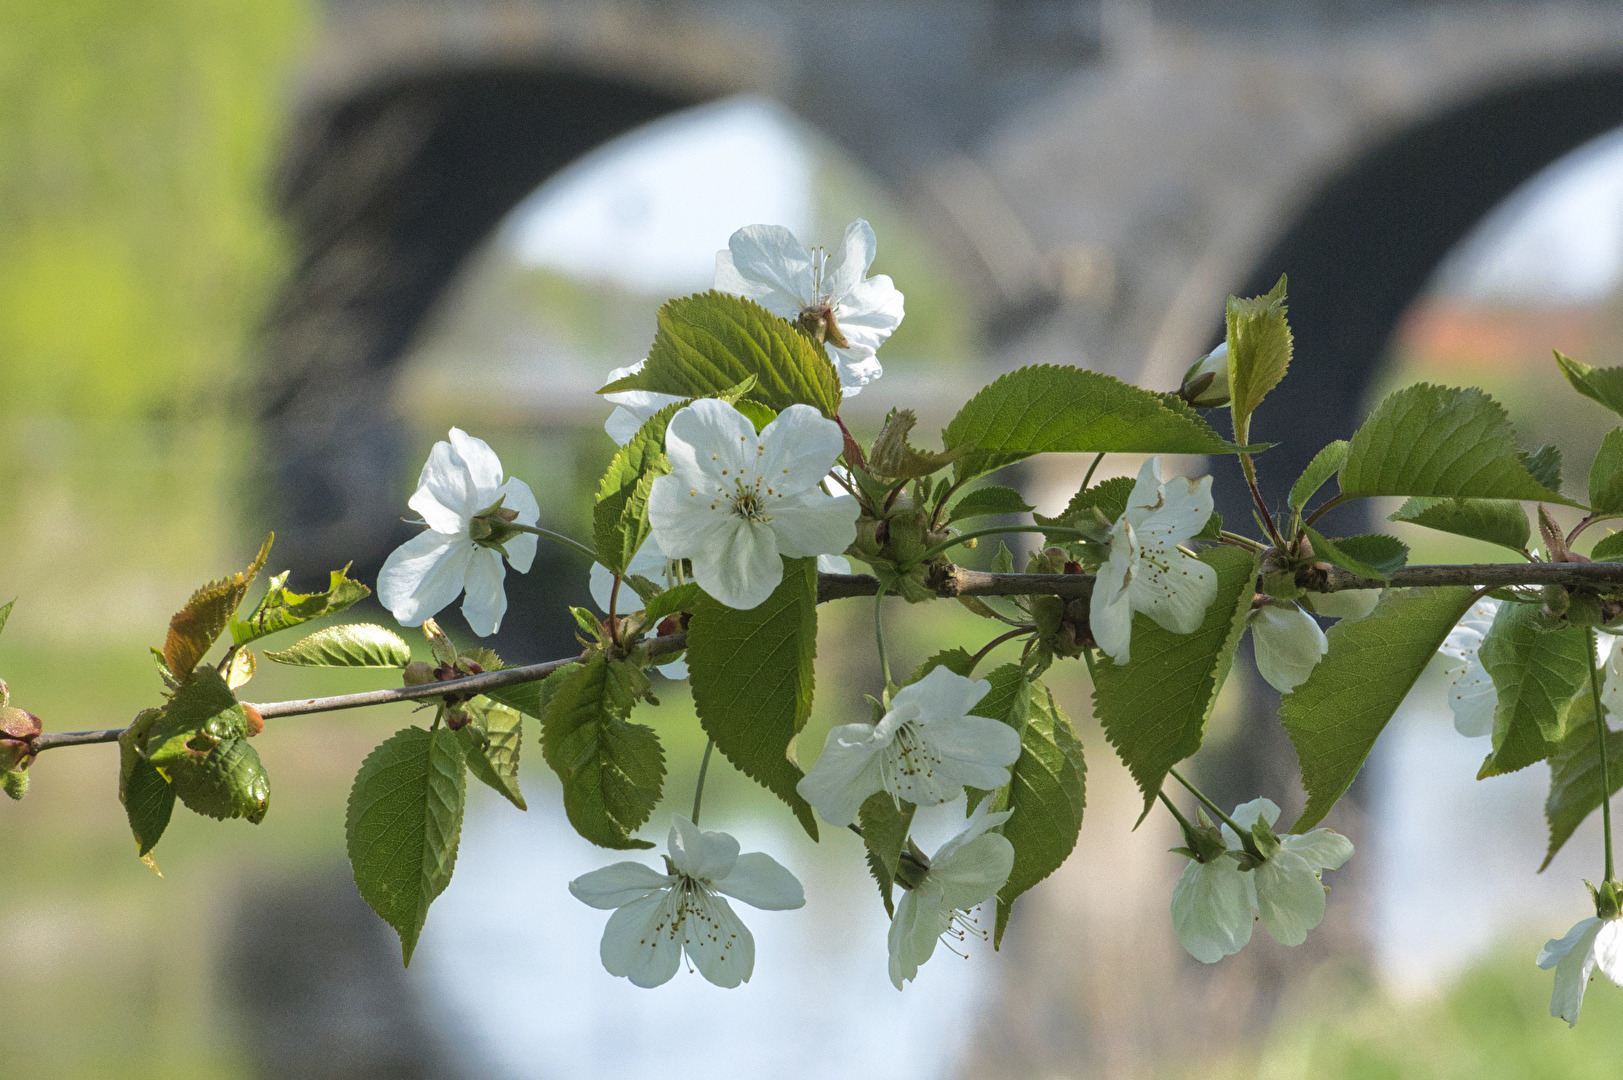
x=1591 y=943
x=461 y=481
x=659 y=916
x=1470 y=688
x=1344 y=603
x=1214 y=394
x=1288 y=644
x=735 y=501
x=1288 y=890
x=925 y=750
x=1145 y=571
x=632 y=408
x=968 y=870
x=1213 y=907
x=853 y=313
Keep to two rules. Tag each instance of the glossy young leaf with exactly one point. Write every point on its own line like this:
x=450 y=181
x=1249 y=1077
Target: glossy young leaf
x=884 y=835
x=1374 y=555
x=403 y=825
x=1497 y=521
x=351 y=645
x=1535 y=674
x=709 y=343
x=613 y=771
x=1325 y=464
x=148 y=800
x=1154 y=708
x=753 y=679
x=620 y=515
x=1334 y=718
x=984 y=501
x=1575 y=786
x=1604 y=385
x=494 y=740
x=228 y=781
x=195 y=627
x=202 y=706
x=1259 y=353
x=1606 y=475
x=1045 y=409
x=1437 y=440
x=281 y=608
x=1047 y=792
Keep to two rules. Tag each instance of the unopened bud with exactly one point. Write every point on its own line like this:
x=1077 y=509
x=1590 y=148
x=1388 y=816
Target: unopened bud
x=17 y=724
x=418 y=673
x=256 y=722
x=1206 y=383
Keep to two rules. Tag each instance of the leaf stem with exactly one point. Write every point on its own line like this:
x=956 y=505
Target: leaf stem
x=1250 y=471
x=879 y=640
x=974 y=661
x=560 y=537
x=993 y=530
x=1600 y=736
x=1329 y=505
x=1183 y=822
x=1243 y=833
x=698 y=788
x=1088 y=479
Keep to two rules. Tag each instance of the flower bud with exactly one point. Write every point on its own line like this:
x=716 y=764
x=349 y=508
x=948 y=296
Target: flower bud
x=256 y=722
x=418 y=673
x=1206 y=383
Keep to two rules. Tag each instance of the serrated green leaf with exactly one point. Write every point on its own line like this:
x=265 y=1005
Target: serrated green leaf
x=1334 y=718
x=1497 y=521
x=752 y=675
x=1374 y=555
x=1606 y=475
x=203 y=706
x=1535 y=675
x=1109 y=497
x=493 y=750
x=1259 y=353
x=1608 y=548
x=992 y=499
x=195 y=627
x=5 y=614
x=709 y=343
x=228 y=781
x=531 y=698
x=1604 y=385
x=756 y=413
x=1325 y=464
x=678 y=598
x=1047 y=792
x=1545 y=465
x=613 y=771
x=1002 y=559
x=1575 y=787
x=1046 y=409
x=1155 y=707
x=149 y=801
x=955 y=660
x=403 y=824
x=1437 y=440
x=281 y=608
x=884 y=834
x=1009 y=701
x=350 y=645
x=620 y=514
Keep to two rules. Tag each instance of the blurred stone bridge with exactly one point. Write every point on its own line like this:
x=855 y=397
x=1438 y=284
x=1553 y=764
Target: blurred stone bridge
x=1100 y=174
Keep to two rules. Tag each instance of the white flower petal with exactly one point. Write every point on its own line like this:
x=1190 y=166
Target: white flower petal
x=1350 y=604
x=1573 y=958
x=1211 y=909
x=717 y=941
x=1611 y=694
x=687 y=520
x=1145 y=498
x=912 y=938
x=486 y=601
x=845 y=774
x=979 y=823
x=1247 y=814
x=811 y=523
x=833 y=564
x=1177 y=597
x=1288 y=645
x=600 y=582
x=850 y=261
x=446 y=496
x=870 y=312
x=618 y=885
x=745 y=572
x=1186 y=506
x=940 y=694
x=707 y=437
x=1609 y=950
x=1323 y=849
x=423 y=575
x=856 y=367
x=800 y=446
x=774 y=267
x=517 y=496
x=706 y=856
x=974 y=751
x=761 y=881
x=643 y=940
x=973 y=873
x=483 y=467
x=1290 y=897
x=1110 y=610
x=623 y=424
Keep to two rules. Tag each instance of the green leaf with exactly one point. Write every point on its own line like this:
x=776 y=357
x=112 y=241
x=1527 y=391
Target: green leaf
x=1575 y=785
x=228 y=781
x=1325 y=464
x=984 y=501
x=709 y=343
x=1334 y=718
x=752 y=680
x=884 y=835
x=613 y=771
x=281 y=608
x=1606 y=475
x=5 y=614
x=955 y=660
x=679 y=598
x=620 y=515
x=195 y=627
x=1604 y=385
x=893 y=456
x=203 y=709
x=1110 y=498
x=1047 y=794
x=1497 y=521
x=1535 y=675
x=1154 y=708
x=1436 y=440
x=1545 y=465
x=1047 y=409
x=1009 y=701
x=493 y=751
x=403 y=824
x=531 y=698
x=148 y=799
x=1608 y=548
x=350 y=645
x=1374 y=555
x=1259 y=340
